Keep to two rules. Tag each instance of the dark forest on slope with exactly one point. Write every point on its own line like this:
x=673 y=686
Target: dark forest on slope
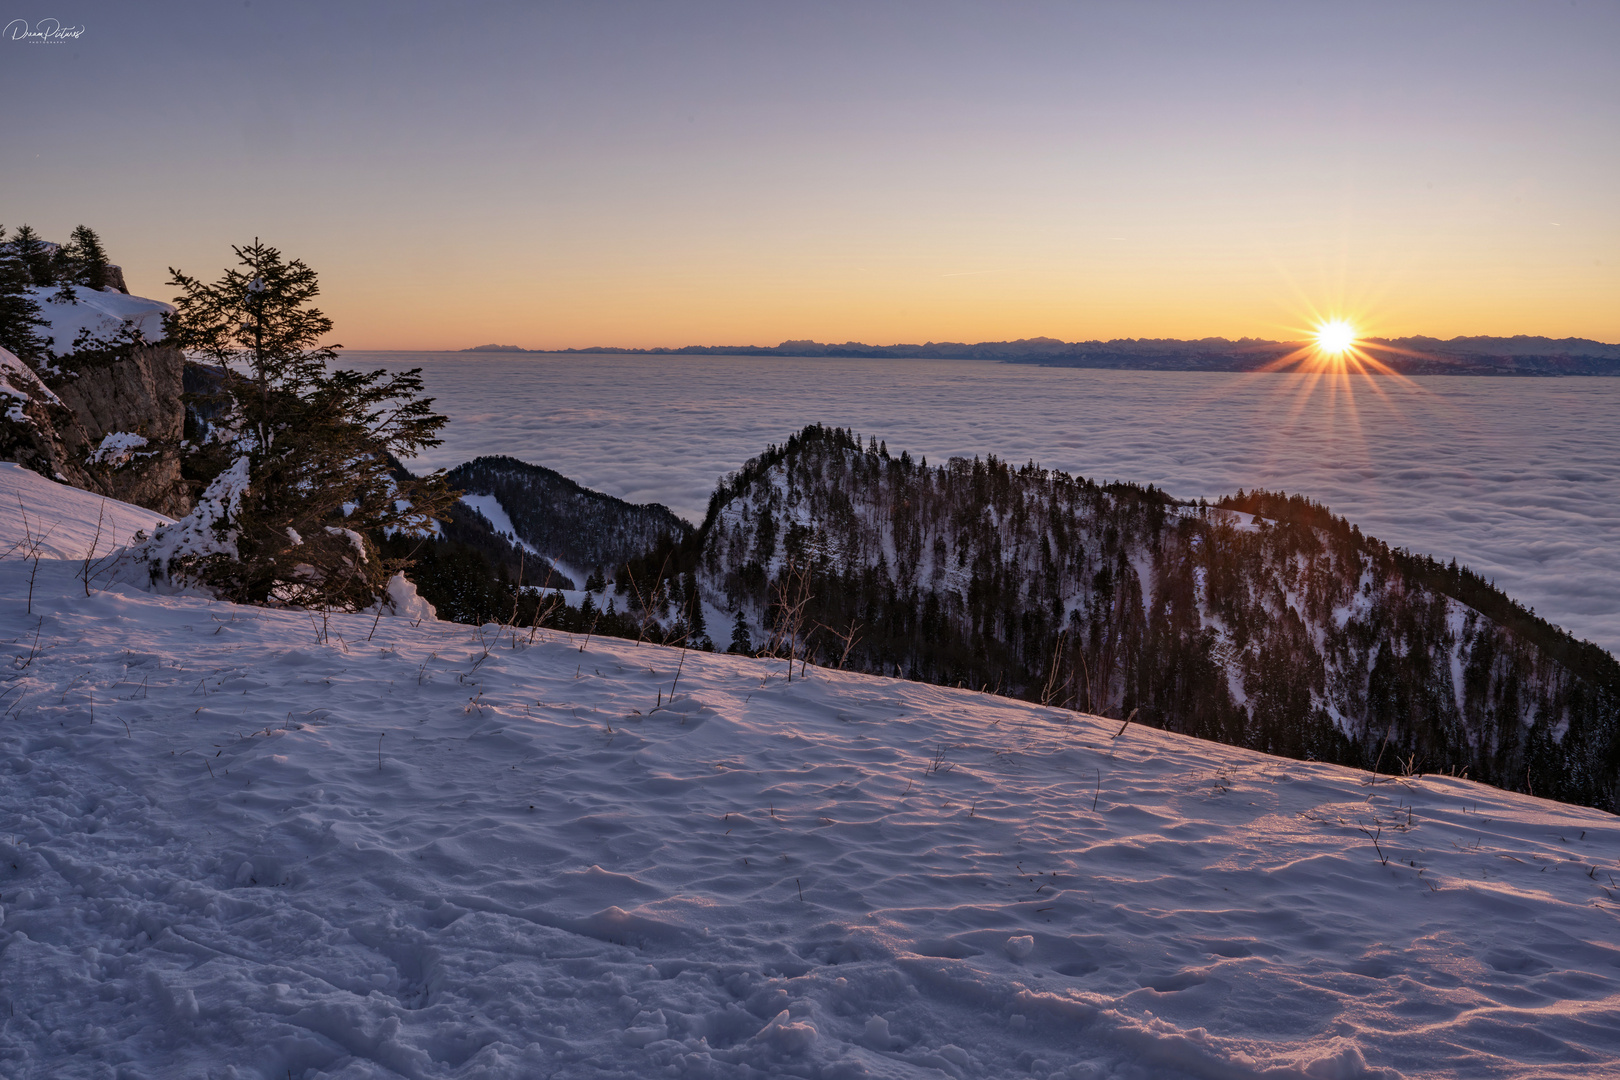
x=1288 y=632
x=585 y=529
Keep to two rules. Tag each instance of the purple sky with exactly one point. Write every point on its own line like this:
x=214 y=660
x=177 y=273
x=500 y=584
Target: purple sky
x=667 y=173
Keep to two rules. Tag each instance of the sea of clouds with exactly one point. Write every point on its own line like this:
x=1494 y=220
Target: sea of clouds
x=1517 y=478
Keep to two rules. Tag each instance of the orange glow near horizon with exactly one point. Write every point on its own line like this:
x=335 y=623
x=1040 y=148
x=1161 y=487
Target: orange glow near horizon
x=1334 y=348
x=561 y=176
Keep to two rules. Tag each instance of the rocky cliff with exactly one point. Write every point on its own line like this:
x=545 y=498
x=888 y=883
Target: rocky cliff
x=112 y=426
x=104 y=411
x=131 y=414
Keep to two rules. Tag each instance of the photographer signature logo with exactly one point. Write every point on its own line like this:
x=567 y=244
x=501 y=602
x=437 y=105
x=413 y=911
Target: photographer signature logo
x=44 y=32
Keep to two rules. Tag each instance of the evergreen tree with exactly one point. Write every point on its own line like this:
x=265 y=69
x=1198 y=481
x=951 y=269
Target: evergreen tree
x=85 y=258
x=309 y=489
x=34 y=254
x=62 y=266
x=20 y=319
x=64 y=293
x=740 y=641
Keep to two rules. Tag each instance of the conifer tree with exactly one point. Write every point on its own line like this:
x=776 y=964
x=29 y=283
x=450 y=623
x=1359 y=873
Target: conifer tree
x=740 y=641
x=86 y=258
x=34 y=254
x=20 y=319
x=312 y=480
x=62 y=266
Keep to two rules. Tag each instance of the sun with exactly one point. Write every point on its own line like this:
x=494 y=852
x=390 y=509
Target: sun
x=1335 y=338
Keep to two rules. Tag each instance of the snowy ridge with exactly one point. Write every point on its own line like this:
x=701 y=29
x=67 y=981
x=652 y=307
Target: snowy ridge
x=63 y=521
x=254 y=843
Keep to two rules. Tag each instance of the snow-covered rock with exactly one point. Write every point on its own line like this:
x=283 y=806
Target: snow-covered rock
x=32 y=421
x=19 y=384
x=97 y=314
x=117 y=448
x=405 y=602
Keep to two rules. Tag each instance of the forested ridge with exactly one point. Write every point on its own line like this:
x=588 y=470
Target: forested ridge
x=1263 y=621
x=585 y=529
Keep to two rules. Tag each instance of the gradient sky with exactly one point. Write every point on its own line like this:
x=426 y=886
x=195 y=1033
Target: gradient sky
x=665 y=173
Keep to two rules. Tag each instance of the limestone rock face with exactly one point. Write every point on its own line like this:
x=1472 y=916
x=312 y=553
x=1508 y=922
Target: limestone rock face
x=33 y=421
x=113 y=426
x=137 y=394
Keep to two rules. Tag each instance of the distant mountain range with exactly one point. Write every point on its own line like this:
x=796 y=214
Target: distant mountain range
x=1519 y=355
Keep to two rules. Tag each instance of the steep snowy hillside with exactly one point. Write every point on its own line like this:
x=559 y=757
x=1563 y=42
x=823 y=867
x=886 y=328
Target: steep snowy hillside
x=1283 y=629
x=60 y=522
x=248 y=843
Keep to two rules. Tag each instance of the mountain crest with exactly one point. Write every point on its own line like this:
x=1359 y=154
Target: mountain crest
x=1264 y=622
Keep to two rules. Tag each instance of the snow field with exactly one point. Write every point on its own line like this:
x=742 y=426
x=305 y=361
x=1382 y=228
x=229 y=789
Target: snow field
x=63 y=522
x=254 y=843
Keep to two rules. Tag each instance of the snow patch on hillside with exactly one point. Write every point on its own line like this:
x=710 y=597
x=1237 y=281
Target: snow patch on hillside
x=492 y=510
x=116 y=448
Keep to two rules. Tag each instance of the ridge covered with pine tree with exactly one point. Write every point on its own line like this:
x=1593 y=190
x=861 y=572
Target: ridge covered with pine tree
x=1264 y=621
x=587 y=530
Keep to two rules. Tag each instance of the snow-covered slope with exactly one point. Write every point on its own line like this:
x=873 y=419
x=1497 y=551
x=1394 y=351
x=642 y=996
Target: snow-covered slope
x=494 y=513
x=63 y=521
x=252 y=843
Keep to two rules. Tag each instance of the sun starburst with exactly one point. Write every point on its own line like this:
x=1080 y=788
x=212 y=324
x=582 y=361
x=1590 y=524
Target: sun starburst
x=1335 y=337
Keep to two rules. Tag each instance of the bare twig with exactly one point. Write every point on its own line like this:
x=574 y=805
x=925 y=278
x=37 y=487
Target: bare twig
x=1382 y=858
x=89 y=556
x=848 y=637
x=678 y=669
x=1051 y=678
x=34 y=650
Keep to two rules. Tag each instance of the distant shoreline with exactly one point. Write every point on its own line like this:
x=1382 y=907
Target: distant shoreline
x=1491 y=356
